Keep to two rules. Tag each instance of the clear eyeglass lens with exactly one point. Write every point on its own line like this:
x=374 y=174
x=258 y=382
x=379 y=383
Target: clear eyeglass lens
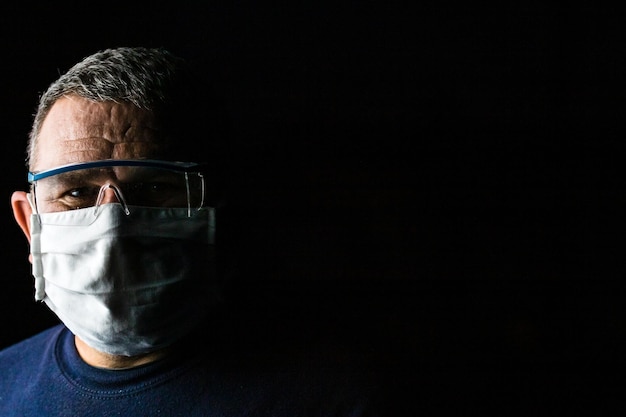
x=139 y=186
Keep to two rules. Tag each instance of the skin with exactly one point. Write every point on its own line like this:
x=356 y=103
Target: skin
x=78 y=130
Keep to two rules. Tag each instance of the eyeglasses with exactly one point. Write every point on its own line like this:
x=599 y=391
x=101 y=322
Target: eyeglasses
x=134 y=182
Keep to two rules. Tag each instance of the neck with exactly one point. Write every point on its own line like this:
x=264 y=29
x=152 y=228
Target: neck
x=104 y=360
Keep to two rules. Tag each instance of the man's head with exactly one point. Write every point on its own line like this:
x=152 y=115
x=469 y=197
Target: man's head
x=127 y=103
x=139 y=128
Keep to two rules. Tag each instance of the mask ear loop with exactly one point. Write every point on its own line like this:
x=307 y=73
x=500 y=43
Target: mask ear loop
x=202 y=180
x=188 y=194
x=32 y=200
x=118 y=195
x=188 y=190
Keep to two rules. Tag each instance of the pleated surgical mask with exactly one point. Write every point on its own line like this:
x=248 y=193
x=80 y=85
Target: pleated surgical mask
x=126 y=283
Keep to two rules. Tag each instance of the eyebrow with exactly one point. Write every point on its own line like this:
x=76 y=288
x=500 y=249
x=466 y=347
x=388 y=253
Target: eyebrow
x=81 y=175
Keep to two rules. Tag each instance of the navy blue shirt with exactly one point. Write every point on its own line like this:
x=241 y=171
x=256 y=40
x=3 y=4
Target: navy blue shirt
x=44 y=376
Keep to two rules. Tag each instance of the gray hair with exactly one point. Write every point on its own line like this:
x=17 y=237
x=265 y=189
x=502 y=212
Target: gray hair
x=150 y=78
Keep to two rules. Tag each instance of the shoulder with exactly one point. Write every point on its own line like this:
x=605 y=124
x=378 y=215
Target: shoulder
x=26 y=365
x=18 y=360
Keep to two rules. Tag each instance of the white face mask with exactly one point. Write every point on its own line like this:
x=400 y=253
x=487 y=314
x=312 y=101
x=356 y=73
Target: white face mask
x=125 y=284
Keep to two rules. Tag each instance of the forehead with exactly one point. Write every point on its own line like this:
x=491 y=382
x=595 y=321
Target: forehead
x=80 y=130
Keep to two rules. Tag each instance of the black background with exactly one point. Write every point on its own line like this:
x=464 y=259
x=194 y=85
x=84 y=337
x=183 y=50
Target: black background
x=438 y=188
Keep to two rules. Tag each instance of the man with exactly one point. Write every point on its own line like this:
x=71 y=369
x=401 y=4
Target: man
x=123 y=161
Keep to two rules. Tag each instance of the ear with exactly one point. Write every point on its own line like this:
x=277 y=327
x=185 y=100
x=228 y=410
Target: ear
x=22 y=211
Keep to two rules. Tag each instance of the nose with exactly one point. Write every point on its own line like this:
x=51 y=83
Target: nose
x=110 y=193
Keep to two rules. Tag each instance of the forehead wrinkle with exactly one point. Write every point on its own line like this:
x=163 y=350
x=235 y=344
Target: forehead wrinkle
x=77 y=130
x=86 y=144
x=138 y=150
x=83 y=119
x=130 y=124
x=76 y=150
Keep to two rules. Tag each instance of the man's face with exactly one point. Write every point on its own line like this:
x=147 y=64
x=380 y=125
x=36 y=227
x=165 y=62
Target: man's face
x=79 y=130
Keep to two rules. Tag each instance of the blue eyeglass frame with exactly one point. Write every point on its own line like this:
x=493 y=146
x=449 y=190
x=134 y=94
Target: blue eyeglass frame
x=152 y=163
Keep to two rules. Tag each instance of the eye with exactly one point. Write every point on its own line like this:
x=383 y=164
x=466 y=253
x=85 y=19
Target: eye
x=80 y=194
x=68 y=197
x=148 y=187
x=155 y=193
